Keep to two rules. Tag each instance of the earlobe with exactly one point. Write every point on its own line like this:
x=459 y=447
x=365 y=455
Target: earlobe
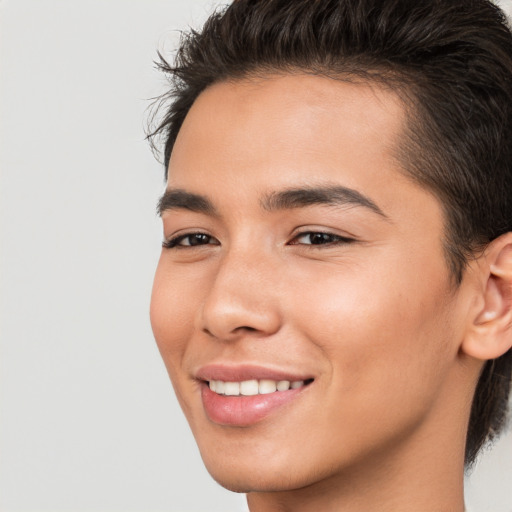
x=490 y=333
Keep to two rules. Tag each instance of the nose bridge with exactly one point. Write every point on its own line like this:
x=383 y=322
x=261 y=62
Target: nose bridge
x=243 y=295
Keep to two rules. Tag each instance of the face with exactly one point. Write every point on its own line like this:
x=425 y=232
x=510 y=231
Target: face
x=303 y=279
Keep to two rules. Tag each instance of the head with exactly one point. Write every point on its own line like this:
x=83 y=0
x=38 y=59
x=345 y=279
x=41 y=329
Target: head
x=442 y=71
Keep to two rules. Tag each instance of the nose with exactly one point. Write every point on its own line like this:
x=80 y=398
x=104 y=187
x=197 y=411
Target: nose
x=243 y=298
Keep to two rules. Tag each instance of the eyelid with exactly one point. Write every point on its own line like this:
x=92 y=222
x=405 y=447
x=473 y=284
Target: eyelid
x=172 y=241
x=338 y=238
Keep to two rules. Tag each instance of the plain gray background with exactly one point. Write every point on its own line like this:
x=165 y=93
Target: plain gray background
x=88 y=421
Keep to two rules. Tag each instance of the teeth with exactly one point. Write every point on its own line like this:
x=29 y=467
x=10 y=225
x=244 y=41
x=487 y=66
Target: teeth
x=232 y=388
x=267 y=386
x=253 y=387
x=283 y=385
x=249 y=387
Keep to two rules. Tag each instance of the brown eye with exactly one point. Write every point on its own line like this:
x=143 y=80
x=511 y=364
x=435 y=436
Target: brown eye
x=190 y=240
x=320 y=238
x=196 y=239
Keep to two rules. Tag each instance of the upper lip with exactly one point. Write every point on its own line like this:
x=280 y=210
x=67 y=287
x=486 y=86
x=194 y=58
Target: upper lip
x=241 y=372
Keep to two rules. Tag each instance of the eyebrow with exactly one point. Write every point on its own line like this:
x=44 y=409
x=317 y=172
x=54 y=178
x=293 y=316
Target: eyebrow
x=178 y=199
x=175 y=199
x=329 y=196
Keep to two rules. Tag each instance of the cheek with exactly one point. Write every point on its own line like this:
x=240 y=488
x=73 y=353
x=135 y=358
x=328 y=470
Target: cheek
x=388 y=350
x=172 y=320
x=174 y=302
x=386 y=338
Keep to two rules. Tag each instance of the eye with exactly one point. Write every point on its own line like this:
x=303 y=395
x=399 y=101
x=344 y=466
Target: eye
x=320 y=238
x=190 y=240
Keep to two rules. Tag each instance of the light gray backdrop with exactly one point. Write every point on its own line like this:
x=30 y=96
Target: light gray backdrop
x=88 y=421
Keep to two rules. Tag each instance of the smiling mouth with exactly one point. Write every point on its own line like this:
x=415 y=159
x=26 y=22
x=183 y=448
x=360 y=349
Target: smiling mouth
x=254 y=387
x=242 y=399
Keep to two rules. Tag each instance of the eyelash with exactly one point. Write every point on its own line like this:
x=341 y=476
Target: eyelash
x=173 y=243
x=334 y=240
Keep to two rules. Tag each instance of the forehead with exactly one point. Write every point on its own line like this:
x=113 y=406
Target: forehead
x=269 y=124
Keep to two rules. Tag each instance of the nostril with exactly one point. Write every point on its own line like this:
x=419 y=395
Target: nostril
x=246 y=328
x=237 y=330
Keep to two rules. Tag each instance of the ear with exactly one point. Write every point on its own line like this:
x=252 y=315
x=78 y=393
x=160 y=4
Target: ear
x=490 y=333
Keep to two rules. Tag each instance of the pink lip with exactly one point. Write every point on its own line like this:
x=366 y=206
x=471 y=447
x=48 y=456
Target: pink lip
x=243 y=411
x=239 y=373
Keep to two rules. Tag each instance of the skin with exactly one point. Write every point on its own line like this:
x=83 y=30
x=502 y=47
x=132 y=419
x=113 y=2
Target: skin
x=377 y=321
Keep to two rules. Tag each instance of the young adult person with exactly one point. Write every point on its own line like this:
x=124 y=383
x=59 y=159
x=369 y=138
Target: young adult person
x=333 y=300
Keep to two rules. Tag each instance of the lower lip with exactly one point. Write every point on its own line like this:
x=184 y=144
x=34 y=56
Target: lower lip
x=242 y=411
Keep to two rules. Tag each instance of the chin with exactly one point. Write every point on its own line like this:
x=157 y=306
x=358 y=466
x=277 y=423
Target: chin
x=256 y=466
x=266 y=468
x=255 y=479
